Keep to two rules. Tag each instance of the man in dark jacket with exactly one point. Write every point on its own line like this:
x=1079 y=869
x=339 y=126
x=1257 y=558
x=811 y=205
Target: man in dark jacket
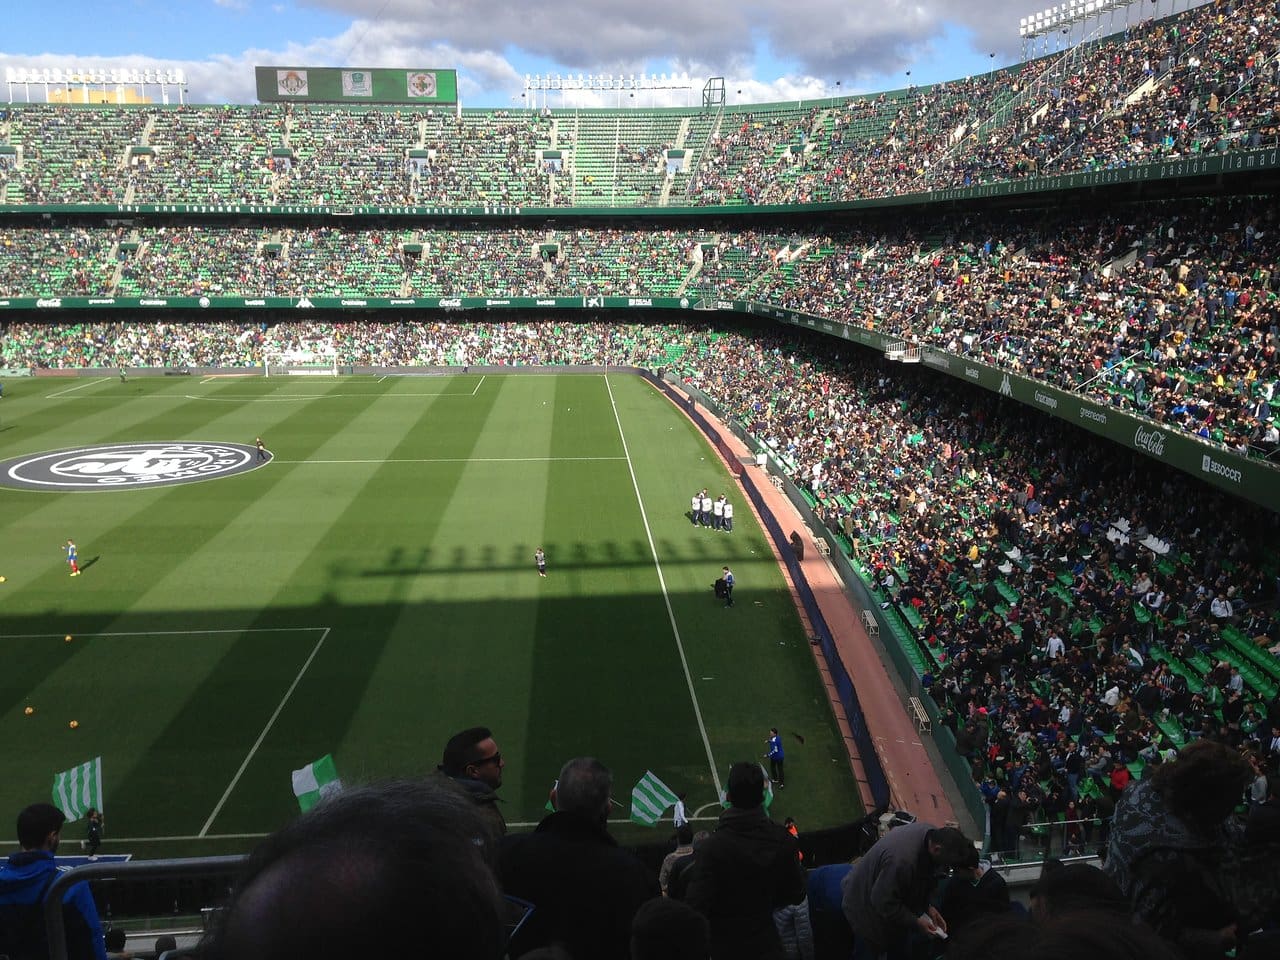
x=744 y=871
x=584 y=888
x=473 y=761
x=25 y=879
x=886 y=895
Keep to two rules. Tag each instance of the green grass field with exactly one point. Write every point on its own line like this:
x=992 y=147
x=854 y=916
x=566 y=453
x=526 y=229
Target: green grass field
x=372 y=590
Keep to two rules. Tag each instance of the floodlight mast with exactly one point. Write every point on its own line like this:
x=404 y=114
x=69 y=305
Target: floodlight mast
x=1058 y=22
x=108 y=80
x=617 y=84
x=713 y=94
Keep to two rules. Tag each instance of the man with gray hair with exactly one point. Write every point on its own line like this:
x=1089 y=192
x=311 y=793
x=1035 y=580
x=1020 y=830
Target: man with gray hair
x=584 y=888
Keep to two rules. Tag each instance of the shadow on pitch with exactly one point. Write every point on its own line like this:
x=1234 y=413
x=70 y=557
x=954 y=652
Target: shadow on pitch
x=705 y=547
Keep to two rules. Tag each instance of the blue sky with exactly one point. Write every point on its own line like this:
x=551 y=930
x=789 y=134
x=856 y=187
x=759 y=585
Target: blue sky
x=765 y=50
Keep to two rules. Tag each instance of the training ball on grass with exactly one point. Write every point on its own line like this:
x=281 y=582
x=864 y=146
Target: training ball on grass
x=67 y=638
x=3 y=579
x=73 y=724
x=29 y=711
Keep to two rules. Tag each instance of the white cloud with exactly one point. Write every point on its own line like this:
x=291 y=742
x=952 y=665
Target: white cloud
x=836 y=38
x=750 y=42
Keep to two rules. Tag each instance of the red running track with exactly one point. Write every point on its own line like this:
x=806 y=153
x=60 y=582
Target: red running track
x=914 y=784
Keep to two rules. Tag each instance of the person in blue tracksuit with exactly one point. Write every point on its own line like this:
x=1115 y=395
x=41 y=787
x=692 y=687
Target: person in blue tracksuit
x=776 y=757
x=25 y=878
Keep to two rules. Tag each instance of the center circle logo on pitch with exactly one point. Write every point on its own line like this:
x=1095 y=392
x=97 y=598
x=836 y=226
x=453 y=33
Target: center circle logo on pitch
x=129 y=466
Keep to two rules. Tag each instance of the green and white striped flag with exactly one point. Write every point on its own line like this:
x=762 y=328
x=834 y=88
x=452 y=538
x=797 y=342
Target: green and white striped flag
x=78 y=789
x=650 y=799
x=316 y=781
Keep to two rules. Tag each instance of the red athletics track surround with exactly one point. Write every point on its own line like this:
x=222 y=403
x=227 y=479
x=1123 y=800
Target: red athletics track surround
x=914 y=784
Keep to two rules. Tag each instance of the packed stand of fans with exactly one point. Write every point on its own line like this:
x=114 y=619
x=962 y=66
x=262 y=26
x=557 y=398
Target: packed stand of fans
x=343 y=156
x=1164 y=309
x=1201 y=81
x=1167 y=309
x=209 y=155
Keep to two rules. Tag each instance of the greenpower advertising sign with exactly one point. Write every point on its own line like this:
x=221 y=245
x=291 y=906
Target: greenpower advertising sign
x=1212 y=463
x=346 y=303
x=355 y=85
x=1252 y=479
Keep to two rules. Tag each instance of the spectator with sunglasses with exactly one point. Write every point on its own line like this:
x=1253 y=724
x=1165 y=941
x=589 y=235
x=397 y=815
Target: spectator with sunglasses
x=473 y=761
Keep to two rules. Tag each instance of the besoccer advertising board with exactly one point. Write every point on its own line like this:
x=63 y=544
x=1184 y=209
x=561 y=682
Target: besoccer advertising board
x=356 y=85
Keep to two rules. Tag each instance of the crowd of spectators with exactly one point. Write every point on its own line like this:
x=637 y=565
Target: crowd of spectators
x=1166 y=309
x=344 y=156
x=1196 y=82
x=208 y=155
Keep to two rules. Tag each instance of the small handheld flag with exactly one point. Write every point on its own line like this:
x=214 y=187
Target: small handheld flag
x=316 y=781
x=650 y=799
x=77 y=790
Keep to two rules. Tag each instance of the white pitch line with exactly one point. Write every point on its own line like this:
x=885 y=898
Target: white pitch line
x=465 y=460
x=666 y=598
x=256 y=398
x=478 y=385
x=63 y=393
x=163 y=633
x=523 y=824
x=265 y=730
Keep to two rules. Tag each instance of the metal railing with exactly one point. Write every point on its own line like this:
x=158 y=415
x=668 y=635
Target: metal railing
x=1036 y=842
x=187 y=868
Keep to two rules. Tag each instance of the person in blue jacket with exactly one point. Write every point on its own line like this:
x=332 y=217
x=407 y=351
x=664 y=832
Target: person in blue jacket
x=25 y=878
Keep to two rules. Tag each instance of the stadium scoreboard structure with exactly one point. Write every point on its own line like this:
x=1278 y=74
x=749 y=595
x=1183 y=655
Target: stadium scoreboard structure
x=356 y=85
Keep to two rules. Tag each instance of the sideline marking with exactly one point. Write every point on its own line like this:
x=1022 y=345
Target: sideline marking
x=265 y=730
x=81 y=386
x=666 y=598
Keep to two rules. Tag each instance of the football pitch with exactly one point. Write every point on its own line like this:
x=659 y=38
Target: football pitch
x=371 y=590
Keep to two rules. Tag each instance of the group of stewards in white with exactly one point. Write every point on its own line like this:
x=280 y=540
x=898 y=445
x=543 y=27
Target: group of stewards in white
x=716 y=514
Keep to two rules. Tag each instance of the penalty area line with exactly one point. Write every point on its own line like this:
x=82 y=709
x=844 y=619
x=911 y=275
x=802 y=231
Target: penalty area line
x=81 y=386
x=265 y=730
x=164 y=633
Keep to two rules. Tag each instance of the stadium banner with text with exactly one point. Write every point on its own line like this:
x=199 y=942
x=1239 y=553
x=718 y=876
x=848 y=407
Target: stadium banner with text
x=347 y=303
x=1213 y=463
x=356 y=85
x=1225 y=164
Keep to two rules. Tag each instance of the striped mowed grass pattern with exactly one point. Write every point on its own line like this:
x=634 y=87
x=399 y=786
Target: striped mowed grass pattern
x=372 y=591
